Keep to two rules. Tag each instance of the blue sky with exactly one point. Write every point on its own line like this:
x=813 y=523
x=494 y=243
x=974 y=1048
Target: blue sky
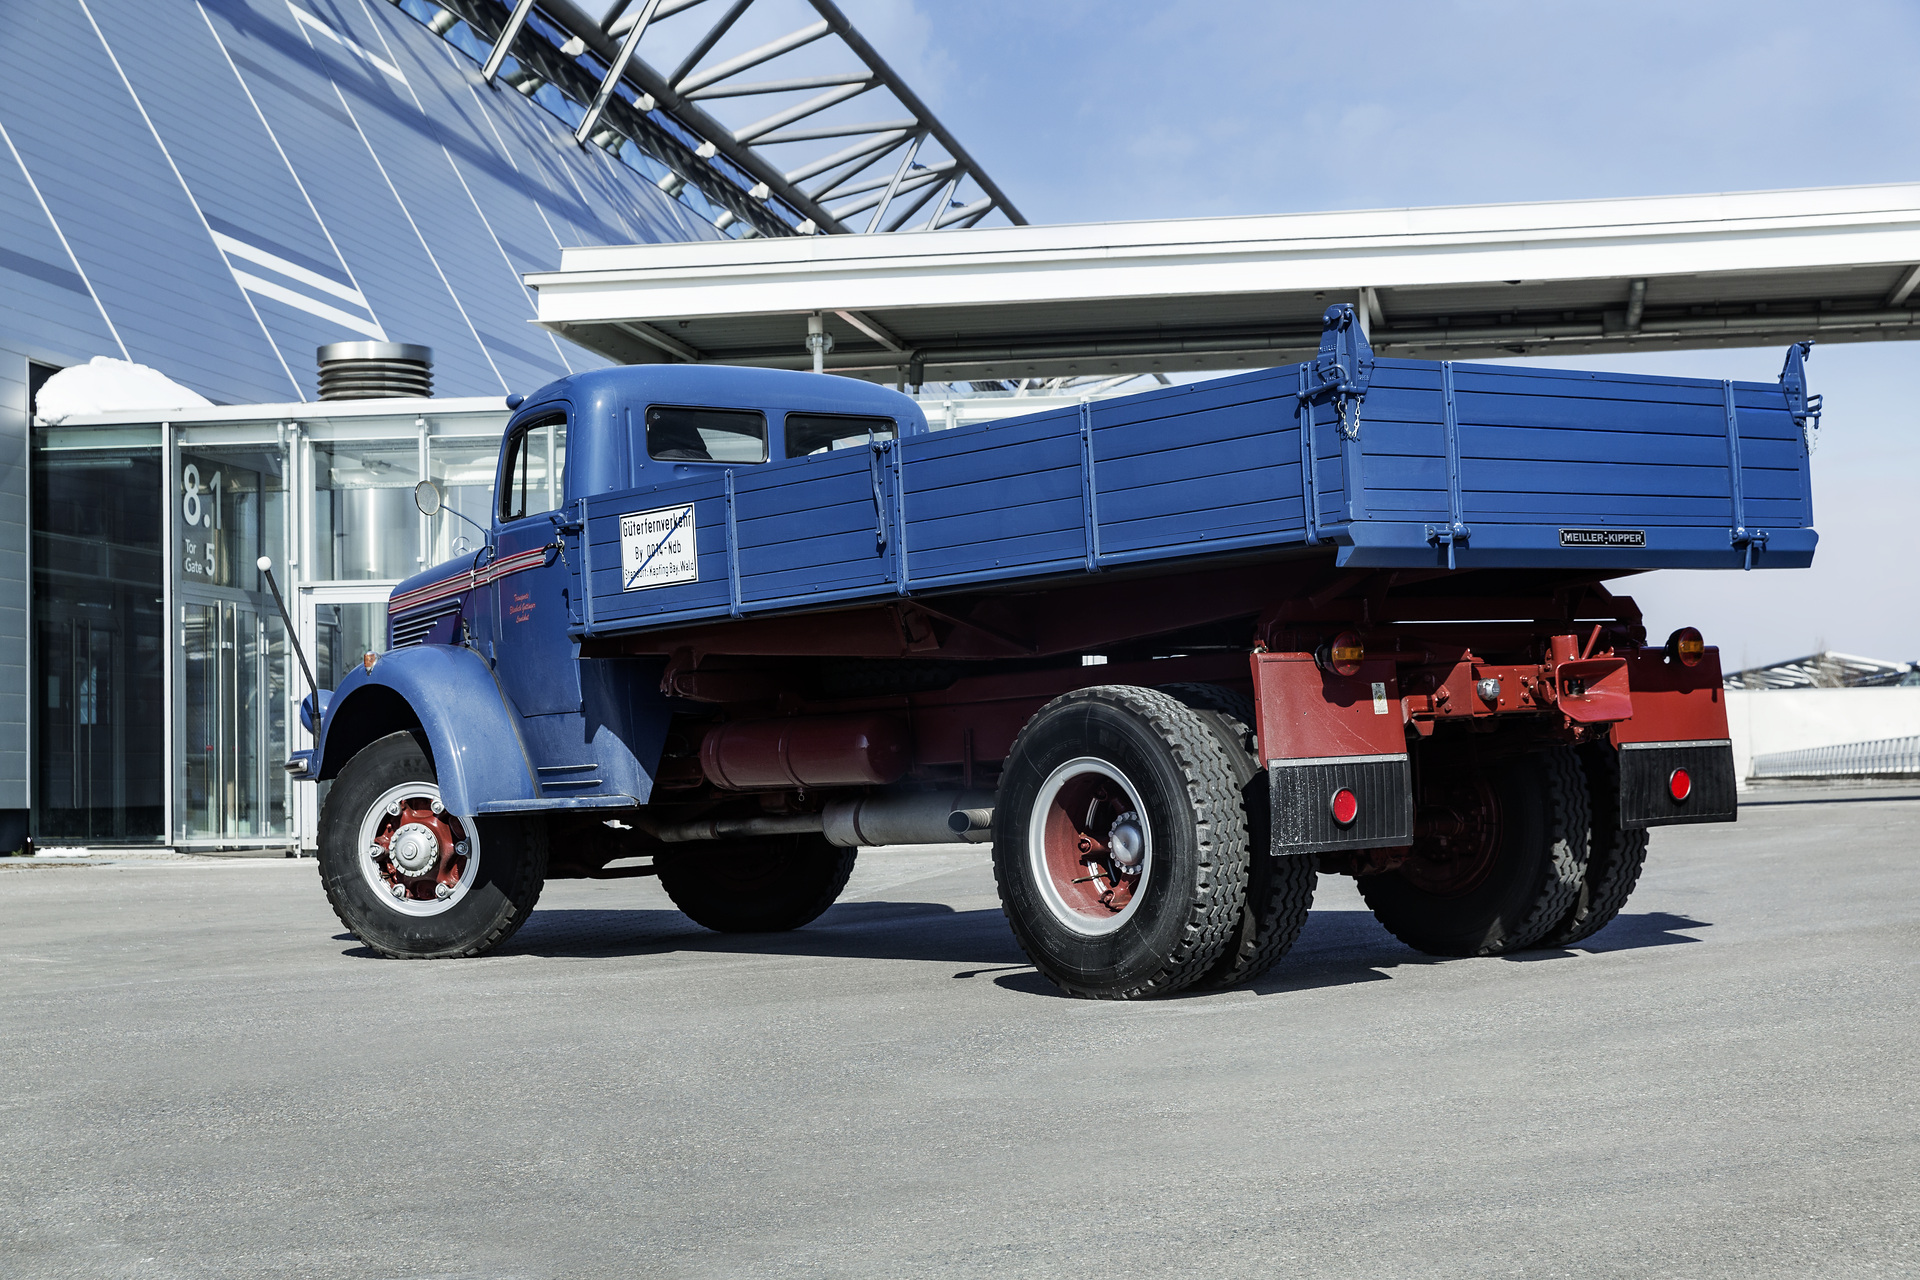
x=1089 y=110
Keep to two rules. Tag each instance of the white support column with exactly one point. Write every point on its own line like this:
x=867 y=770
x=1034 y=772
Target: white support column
x=426 y=521
x=1367 y=307
x=170 y=641
x=819 y=341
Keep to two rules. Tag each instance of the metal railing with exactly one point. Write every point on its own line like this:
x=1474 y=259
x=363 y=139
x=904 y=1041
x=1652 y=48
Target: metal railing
x=1879 y=758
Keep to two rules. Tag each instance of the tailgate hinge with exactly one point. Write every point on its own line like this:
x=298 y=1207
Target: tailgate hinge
x=1341 y=371
x=1793 y=381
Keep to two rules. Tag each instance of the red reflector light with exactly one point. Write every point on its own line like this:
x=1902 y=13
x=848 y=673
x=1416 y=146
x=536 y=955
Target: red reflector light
x=1686 y=647
x=1345 y=654
x=1680 y=784
x=1346 y=807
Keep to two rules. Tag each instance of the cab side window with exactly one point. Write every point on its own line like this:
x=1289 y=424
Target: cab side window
x=677 y=434
x=817 y=432
x=536 y=464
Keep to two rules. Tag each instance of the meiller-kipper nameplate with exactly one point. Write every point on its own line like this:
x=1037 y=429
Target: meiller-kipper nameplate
x=1603 y=537
x=657 y=547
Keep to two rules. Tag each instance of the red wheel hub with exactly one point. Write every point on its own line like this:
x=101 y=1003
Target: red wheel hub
x=1455 y=843
x=1095 y=868
x=420 y=849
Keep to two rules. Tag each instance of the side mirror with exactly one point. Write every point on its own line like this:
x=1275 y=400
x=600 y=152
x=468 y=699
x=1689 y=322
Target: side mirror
x=426 y=496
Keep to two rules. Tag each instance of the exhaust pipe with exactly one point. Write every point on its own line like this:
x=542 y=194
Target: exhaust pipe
x=927 y=818
x=941 y=817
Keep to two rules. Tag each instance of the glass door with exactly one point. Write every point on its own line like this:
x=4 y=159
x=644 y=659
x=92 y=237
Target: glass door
x=232 y=723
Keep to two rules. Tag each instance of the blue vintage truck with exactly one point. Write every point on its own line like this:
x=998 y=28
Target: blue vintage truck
x=1171 y=655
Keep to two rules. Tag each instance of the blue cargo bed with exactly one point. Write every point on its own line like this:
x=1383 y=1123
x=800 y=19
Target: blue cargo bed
x=1388 y=463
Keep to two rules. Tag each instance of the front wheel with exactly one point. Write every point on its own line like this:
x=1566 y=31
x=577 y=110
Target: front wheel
x=1120 y=843
x=409 y=878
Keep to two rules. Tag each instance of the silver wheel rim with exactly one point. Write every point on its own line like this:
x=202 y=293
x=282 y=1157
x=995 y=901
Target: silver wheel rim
x=385 y=863
x=1053 y=863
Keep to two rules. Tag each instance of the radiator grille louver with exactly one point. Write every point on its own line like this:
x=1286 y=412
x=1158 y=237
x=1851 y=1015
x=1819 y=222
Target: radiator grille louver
x=402 y=632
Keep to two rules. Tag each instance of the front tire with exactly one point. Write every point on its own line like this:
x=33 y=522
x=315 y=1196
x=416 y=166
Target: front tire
x=756 y=886
x=1502 y=864
x=412 y=880
x=1119 y=843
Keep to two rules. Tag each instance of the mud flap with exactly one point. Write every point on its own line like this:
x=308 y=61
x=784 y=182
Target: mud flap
x=1653 y=794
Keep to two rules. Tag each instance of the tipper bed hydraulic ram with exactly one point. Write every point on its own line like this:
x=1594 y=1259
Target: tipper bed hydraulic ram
x=1170 y=655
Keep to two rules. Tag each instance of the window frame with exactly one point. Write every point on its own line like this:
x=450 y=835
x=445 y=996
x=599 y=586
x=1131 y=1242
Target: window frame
x=786 y=431
x=766 y=435
x=510 y=460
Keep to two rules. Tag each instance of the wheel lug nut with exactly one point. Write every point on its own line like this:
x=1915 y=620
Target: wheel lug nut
x=461 y=848
x=399 y=891
x=443 y=891
x=438 y=807
x=393 y=810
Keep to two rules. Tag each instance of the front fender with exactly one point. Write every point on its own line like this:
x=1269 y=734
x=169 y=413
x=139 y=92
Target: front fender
x=447 y=693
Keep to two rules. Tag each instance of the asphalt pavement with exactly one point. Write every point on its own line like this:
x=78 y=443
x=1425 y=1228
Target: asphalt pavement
x=202 y=1075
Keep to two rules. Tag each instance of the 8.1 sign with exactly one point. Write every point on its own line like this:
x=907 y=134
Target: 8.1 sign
x=201 y=525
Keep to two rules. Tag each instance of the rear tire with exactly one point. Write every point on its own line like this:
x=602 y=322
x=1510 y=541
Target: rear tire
x=1119 y=842
x=1279 y=890
x=1614 y=859
x=756 y=886
x=492 y=886
x=1509 y=872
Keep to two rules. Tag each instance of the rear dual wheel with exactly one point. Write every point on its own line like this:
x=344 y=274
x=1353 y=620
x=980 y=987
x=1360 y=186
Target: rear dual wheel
x=1499 y=858
x=1120 y=842
x=1614 y=854
x=1279 y=890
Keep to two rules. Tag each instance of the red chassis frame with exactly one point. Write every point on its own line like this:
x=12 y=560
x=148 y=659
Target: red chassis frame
x=1563 y=662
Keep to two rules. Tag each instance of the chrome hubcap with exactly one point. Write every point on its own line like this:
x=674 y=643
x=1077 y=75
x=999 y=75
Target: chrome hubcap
x=415 y=849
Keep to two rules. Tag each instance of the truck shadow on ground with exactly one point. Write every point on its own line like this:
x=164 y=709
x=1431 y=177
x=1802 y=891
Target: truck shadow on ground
x=854 y=930
x=1341 y=947
x=1337 y=947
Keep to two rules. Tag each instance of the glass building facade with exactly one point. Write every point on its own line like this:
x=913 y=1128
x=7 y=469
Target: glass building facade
x=166 y=696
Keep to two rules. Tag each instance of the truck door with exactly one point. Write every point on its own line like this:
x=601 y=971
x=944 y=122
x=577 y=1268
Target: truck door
x=533 y=655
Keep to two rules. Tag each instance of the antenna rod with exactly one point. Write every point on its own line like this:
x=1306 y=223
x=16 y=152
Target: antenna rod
x=265 y=565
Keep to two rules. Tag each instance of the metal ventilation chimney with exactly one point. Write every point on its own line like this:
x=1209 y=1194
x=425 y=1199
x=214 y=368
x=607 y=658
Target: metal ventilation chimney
x=374 y=370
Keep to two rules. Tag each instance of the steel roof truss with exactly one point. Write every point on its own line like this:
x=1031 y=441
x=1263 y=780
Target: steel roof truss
x=615 y=70
x=776 y=201
x=516 y=20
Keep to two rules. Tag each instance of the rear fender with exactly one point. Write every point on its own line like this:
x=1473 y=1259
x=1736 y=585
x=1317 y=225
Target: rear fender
x=1679 y=725
x=447 y=694
x=1321 y=734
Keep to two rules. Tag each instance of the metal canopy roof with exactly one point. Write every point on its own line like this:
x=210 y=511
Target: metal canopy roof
x=1475 y=281
x=1825 y=670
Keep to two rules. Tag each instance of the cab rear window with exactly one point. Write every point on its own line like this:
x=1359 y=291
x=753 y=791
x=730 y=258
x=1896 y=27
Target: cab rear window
x=676 y=434
x=817 y=432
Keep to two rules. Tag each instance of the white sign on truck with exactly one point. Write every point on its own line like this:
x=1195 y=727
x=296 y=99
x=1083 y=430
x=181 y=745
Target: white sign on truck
x=658 y=548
